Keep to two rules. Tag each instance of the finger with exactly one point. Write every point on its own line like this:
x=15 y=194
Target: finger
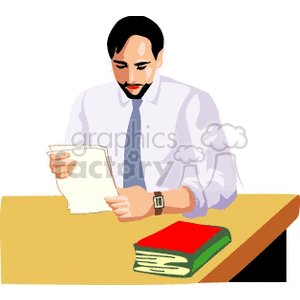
x=115 y=199
x=118 y=205
x=64 y=162
x=63 y=175
x=124 y=218
x=121 y=211
x=59 y=155
x=51 y=167
x=63 y=169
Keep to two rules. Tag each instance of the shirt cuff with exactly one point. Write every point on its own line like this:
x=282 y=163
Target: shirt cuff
x=200 y=209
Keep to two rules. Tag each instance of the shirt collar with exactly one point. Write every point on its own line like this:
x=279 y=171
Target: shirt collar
x=149 y=96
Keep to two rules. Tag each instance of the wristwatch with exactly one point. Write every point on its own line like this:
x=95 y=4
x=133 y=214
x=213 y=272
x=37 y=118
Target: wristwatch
x=159 y=203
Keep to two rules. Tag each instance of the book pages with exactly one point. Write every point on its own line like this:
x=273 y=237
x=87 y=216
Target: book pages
x=90 y=182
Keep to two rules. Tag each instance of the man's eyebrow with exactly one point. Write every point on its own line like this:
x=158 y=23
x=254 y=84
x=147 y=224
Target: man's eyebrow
x=142 y=63
x=120 y=62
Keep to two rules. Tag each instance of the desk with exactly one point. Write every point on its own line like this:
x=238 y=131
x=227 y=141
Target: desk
x=42 y=243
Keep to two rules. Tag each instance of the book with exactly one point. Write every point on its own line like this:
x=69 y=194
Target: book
x=180 y=249
x=91 y=180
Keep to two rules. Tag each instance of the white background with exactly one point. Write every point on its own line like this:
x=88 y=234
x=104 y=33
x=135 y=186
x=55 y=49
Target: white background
x=244 y=53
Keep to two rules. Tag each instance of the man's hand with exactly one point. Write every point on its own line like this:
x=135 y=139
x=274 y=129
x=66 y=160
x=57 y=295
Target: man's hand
x=131 y=204
x=60 y=165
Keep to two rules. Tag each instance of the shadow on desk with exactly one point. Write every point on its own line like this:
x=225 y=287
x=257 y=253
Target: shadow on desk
x=268 y=266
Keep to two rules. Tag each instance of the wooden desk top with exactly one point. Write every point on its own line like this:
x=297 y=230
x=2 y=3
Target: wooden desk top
x=42 y=243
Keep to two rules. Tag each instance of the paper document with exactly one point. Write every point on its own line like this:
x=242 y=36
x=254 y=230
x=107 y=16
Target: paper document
x=91 y=180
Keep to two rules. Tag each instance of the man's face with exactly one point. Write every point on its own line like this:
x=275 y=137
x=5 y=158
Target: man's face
x=135 y=66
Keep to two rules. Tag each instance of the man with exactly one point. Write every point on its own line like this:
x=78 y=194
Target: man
x=153 y=127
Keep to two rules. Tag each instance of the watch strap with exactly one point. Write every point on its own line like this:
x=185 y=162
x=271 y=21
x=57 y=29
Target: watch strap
x=158 y=211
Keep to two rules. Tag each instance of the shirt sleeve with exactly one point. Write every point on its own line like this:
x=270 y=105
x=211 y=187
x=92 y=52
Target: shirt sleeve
x=77 y=130
x=212 y=176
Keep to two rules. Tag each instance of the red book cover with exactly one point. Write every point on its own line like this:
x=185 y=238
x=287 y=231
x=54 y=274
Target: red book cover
x=181 y=236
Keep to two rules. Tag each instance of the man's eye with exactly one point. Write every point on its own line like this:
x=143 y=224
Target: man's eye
x=120 y=67
x=141 y=68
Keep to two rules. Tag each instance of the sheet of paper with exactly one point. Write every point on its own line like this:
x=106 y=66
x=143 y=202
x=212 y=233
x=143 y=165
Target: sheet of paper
x=77 y=148
x=90 y=182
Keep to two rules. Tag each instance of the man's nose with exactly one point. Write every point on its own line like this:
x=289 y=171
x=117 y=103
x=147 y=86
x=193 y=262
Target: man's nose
x=131 y=76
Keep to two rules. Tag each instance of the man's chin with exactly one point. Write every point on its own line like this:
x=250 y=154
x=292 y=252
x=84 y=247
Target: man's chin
x=134 y=92
x=137 y=94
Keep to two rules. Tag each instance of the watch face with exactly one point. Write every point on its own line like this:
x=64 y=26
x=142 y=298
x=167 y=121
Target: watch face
x=158 y=201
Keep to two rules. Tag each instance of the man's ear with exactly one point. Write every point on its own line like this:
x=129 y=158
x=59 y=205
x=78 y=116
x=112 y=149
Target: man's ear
x=160 y=58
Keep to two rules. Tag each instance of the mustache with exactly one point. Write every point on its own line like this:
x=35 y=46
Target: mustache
x=126 y=84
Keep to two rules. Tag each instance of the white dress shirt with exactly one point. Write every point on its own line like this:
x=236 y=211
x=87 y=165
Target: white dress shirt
x=174 y=116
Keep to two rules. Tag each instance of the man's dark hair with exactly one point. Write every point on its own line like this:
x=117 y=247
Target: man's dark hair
x=134 y=25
